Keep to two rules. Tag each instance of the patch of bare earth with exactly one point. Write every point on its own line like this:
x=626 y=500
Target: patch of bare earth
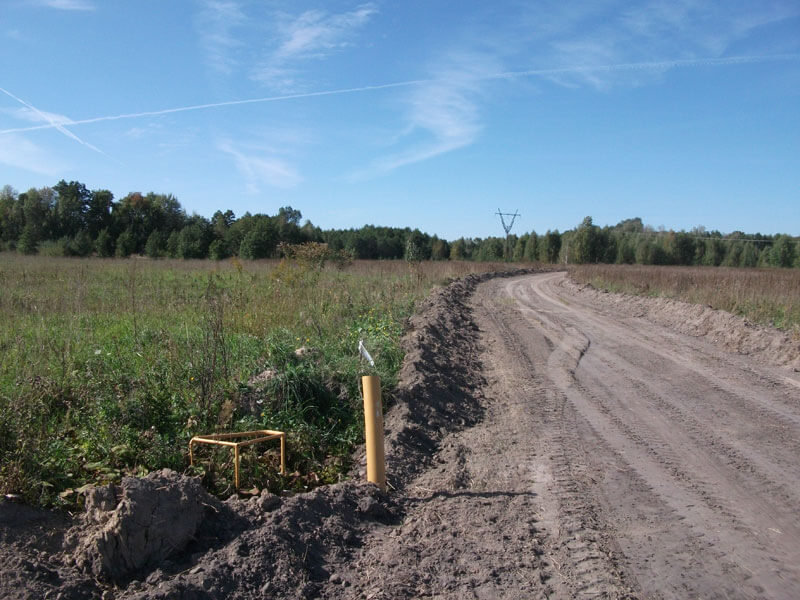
x=678 y=456
x=546 y=440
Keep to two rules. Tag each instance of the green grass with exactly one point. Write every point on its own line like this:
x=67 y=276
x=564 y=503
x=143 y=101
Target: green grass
x=764 y=296
x=110 y=366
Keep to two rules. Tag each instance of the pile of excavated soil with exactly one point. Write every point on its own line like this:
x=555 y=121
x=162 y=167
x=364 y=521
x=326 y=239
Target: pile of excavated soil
x=163 y=536
x=725 y=330
x=138 y=525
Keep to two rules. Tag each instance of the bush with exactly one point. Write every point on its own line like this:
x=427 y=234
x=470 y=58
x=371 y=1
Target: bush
x=260 y=242
x=28 y=242
x=104 y=244
x=126 y=244
x=218 y=250
x=156 y=245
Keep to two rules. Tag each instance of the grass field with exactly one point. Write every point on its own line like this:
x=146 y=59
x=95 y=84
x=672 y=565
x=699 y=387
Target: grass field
x=110 y=366
x=764 y=296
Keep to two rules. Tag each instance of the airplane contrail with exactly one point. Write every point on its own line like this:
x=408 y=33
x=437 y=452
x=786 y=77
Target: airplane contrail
x=53 y=123
x=669 y=64
x=642 y=66
x=166 y=111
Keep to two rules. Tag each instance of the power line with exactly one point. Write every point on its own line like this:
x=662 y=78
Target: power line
x=514 y=216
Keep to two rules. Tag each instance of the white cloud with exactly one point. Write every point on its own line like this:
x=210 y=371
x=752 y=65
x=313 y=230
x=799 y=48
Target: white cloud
x=153 y=129
x=312 y=35
x=27 y=113
x=444 y=111
x=292 y=39
x=216 y=24
x=699 y=27
x=18 y=152
x=315 y=32
x=68 y=4
x=136 y=132
x=582 y=39
x=260 y=167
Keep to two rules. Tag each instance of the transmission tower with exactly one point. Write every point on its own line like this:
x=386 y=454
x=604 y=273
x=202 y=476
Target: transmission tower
x=507 y=228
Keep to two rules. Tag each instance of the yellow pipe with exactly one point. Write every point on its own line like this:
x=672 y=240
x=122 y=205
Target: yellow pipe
x=283 y=454
x=373 y=422
x=236 y=466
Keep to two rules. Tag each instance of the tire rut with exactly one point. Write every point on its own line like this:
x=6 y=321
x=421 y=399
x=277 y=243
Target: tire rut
x=581 y=552
x=702 y=439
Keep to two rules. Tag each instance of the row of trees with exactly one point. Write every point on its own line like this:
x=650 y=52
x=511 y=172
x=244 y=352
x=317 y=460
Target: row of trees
x=70 y=220
x=631 y=242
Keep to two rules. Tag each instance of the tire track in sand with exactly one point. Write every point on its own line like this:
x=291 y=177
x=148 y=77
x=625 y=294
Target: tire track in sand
x=727 y=497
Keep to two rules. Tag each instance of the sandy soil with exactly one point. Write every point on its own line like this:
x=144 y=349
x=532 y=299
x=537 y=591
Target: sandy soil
x=674 y=462
x=547 y=441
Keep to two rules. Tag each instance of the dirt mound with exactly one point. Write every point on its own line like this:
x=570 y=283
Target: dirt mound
x=164 y=537
x=440 y=380
x=29 y=539
x=139 y=524
x=289 y=549
x=723 y=329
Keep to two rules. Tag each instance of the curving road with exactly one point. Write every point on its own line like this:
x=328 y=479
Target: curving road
x=681 y=462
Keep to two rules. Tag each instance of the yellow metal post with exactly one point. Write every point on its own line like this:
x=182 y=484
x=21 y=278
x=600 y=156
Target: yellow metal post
x=283 y=455
x=373 y=422
x=236 y=467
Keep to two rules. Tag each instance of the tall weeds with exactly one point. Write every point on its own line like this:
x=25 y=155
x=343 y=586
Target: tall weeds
x=110 y=366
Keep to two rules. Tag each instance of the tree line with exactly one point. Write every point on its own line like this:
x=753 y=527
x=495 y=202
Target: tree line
x=631 y=242
x=68 y=219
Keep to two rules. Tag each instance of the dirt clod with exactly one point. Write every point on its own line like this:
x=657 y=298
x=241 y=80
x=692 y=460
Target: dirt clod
x=139 y=524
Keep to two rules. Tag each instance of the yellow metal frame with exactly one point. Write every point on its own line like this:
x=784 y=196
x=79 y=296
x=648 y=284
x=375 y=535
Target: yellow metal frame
x=224 y=439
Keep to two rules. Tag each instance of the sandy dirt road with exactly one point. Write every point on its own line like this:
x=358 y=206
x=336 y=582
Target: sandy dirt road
x=614 y=458
x=545 y=442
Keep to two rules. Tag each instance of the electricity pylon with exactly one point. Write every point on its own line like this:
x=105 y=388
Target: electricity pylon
x=507 y=228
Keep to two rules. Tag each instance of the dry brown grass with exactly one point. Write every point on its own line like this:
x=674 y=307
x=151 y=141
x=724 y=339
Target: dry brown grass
x=766 y=296
x=432 y=270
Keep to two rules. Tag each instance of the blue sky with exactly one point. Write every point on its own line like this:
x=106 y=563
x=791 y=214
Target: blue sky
x=417 y=113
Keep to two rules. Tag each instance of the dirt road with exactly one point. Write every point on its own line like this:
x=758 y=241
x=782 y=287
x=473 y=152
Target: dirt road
x=545 y=442
x=614 y=458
